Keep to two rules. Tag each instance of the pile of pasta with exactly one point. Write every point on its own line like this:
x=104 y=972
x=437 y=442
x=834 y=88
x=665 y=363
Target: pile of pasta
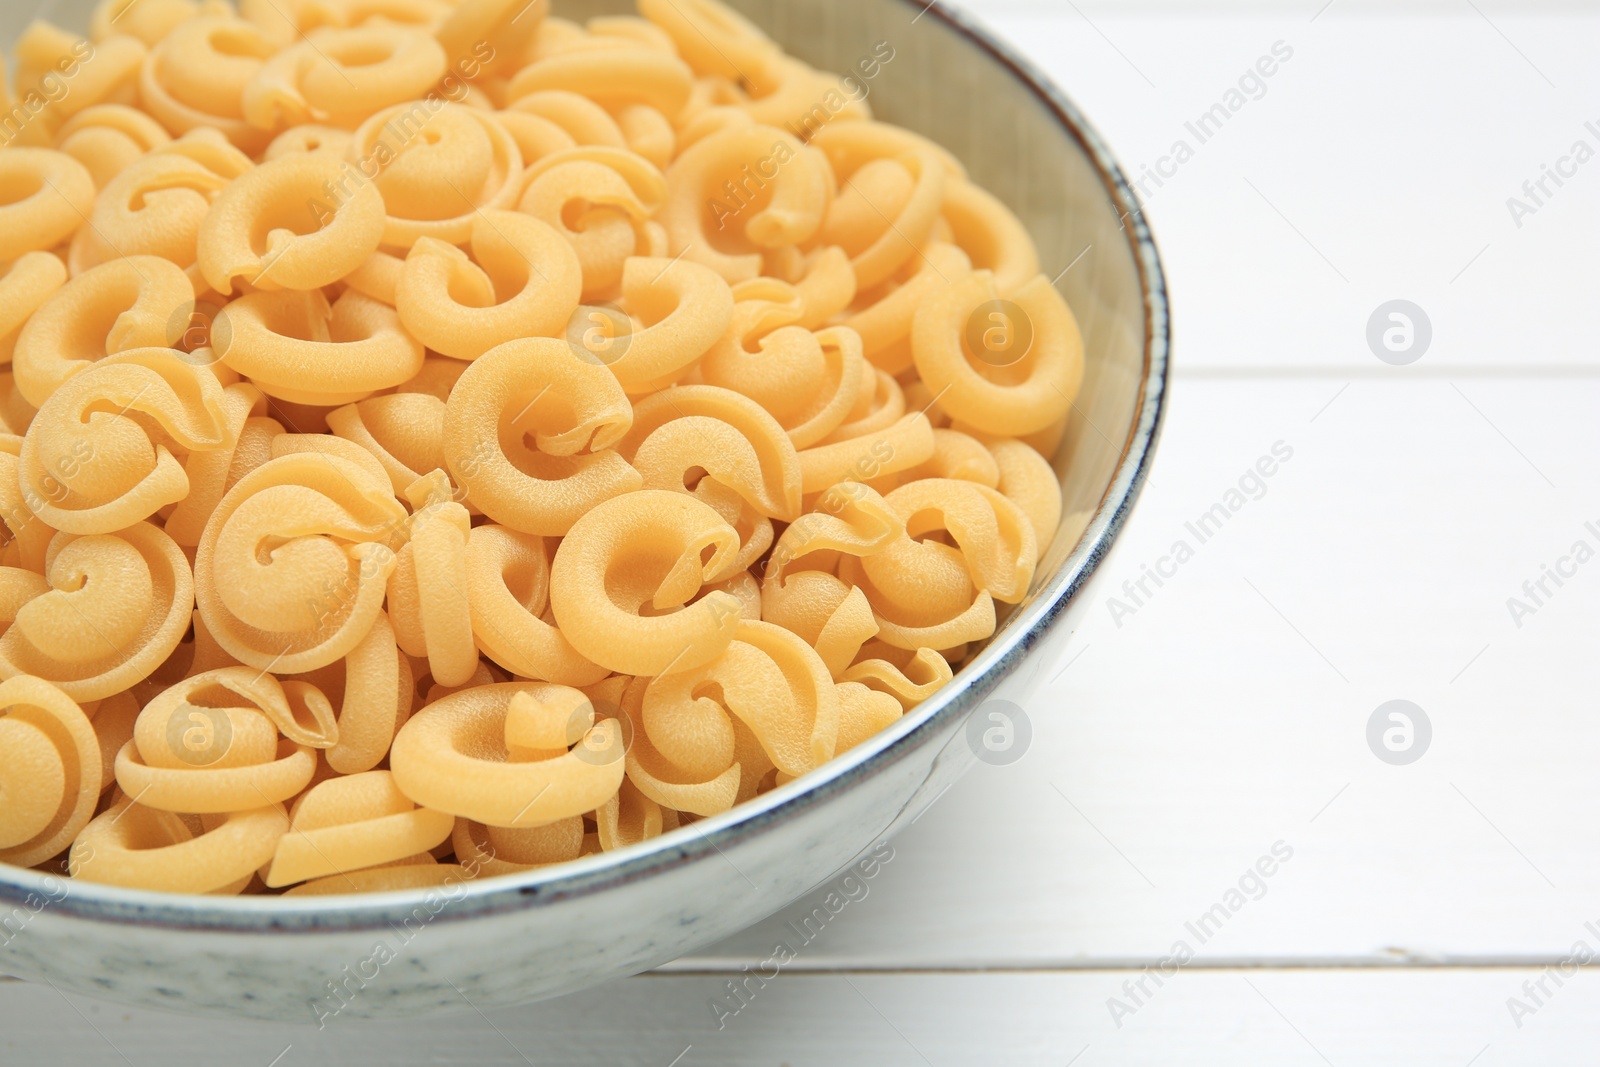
x=442 y=440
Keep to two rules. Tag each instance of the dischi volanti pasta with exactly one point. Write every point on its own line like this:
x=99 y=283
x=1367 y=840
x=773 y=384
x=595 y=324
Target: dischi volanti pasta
x=440 y=439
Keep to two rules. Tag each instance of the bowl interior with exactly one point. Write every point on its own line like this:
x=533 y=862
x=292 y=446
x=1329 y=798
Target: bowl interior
x=1025 y=144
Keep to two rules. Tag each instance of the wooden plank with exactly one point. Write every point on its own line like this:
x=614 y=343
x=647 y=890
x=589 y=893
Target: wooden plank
x=1409 y=1018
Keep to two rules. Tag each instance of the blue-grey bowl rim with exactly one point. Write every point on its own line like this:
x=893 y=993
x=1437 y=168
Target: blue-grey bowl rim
x=707 y=838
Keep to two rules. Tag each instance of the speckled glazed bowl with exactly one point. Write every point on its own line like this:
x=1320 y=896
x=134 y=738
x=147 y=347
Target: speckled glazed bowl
x=545 y=933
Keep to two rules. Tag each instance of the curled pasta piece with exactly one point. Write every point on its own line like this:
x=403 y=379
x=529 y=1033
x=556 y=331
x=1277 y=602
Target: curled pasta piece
x=529 y=274
x=899 y=447
x=909 y=677
x=297 y=347
x=719 y=775
x=891 y=190
x=156 y=206
x=50 y=771
x=99 y=456
x=291 y=570
x=611 y=191
x=631 y=817
x=788 y=93
x=1028 y=481
x=848 y=517
x=350 y=823
x=117 y=606
x=373 y=688
x=573 y=409
x=24 y=287
x=44 y=197
x=137 y=847
x=428 y=594
x=339 y=76
x=646 y=552
x=125 y=304
x=508 y=584
x=455 y=756
x=612 y=77
x=681 y=309
x=196 y=77
x=740 y=192
x=107 y=138
x=727 y=436
x=1006 y=366
x=199 y=748
x=993 y=238
x=993 y=534
x=809 y=381
x=771 y=680
x=437 y=164
x=271 y=228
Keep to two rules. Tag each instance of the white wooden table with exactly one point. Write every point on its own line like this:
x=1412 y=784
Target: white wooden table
x=1228 y=714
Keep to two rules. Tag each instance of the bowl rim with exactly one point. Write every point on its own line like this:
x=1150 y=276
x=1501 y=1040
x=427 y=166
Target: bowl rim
x=709 y=837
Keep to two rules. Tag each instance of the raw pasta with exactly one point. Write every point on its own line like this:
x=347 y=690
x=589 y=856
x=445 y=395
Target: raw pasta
x=439 y=440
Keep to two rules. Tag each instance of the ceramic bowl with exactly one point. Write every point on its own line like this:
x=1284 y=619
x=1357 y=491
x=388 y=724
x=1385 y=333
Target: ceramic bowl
x=553 y=931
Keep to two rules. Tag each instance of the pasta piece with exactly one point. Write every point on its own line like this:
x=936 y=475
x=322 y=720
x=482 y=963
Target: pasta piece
x=116 y=607
x=725 y=435
x=741 y=191
x=611 y=193
x=645 y=547
x=196 y=76
x=428 y=594
x=338 y=76
x=137 y=847
x=352 y=822
x=437 y=164
x=99 y=456
x=453 y=756
x=123 y=305
x=574 y=410
x=681 y=308
x=529 y=276
x=312 y=598
x=296 y=346
x=891 y=189
x=25 y=285
x=108 y=138
x=270 y=227
x=49 y=770
x=507 y=586
x=1021 y=387
x=44 y=197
